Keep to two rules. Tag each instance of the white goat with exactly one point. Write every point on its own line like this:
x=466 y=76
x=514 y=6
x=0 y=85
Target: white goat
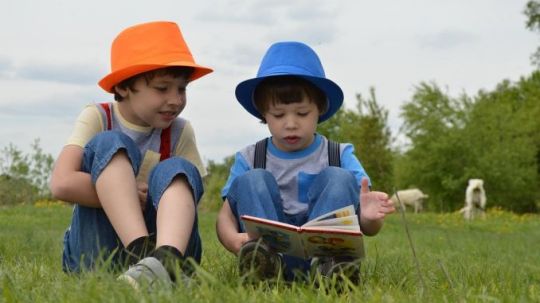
x=411 y=197
x=475 y=200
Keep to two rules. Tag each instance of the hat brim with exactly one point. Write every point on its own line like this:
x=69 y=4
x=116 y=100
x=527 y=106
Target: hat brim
x=334 y=94
x=109 y=81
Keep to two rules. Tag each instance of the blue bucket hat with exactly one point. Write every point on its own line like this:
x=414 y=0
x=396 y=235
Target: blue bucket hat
x=291 y=59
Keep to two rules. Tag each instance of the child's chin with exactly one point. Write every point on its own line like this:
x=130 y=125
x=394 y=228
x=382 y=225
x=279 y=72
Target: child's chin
x=162 y=124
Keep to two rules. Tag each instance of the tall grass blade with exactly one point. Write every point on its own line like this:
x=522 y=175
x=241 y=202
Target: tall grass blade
x=417 y=263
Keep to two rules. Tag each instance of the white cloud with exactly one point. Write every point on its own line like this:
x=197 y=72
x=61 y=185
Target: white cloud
x=447 y=39
x=54 y=52
x=76 y=73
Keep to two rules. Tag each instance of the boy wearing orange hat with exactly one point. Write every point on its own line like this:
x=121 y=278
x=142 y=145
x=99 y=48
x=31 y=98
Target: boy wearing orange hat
x=132 y=167
x=295 y=175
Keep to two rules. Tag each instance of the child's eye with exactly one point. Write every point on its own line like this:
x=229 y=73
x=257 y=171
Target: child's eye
x=303 y=114
x=161 y=88
x=277 y=116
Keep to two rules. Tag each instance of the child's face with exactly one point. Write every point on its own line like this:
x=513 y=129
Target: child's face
x=155 y=104
x=292 y=125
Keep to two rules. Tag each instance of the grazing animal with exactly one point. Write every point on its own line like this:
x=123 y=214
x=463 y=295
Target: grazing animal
x=411 y=197
x=475 y=200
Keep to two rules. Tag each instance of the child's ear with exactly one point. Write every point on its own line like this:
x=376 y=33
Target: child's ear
x=123 y=92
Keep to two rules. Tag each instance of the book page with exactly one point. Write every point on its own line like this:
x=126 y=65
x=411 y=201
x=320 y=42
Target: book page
x=281 y=237
x=337 y=228
x=269 y=222
x=331 y=244
x=348 y=222
x=338 y=213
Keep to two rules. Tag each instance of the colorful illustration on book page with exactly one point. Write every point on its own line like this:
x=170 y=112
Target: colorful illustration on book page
x=334 y=251
x=340 y=213
x=332 y=246
x=279 y=241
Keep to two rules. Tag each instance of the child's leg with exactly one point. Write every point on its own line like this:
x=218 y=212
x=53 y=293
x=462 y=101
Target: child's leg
x=174 y=189
x=256 y=193
x=117 y=191
x=91 y=234
x=175 y=215
x=332 y=189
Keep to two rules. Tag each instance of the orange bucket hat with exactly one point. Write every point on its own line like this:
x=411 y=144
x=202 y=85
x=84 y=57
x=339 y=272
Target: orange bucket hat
x=148 y=46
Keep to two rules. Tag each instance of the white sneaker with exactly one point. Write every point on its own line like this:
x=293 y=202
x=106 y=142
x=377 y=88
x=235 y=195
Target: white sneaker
x=148 y=272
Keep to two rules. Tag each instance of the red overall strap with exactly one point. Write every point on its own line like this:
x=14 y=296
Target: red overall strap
x=165 y=145
x=107 y=110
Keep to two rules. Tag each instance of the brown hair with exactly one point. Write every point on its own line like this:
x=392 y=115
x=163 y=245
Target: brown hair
x=287 y=90
x=174 y=71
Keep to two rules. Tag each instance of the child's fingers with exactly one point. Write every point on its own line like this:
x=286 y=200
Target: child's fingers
x=364 y=185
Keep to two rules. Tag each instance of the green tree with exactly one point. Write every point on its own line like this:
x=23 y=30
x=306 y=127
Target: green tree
x=375 y=141
x=495 y=137
x=532 y=11
x=24 y=178
x=503 y=132
x=366 y=128
x=435 y=159
x=40 y=169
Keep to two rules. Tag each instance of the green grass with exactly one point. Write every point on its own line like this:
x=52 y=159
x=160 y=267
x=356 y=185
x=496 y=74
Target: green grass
x=491 y=260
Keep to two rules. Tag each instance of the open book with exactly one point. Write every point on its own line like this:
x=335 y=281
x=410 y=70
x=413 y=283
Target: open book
x=333 y=234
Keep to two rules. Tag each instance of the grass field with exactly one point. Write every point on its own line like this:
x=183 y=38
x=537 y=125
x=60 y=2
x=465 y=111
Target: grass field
x=492 y=260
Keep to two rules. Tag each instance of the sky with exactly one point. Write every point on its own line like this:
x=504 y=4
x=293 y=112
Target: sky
x=54 y=52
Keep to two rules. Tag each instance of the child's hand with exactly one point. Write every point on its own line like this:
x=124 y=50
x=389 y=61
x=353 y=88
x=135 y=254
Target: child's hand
x=142 y=190
x=374 y=205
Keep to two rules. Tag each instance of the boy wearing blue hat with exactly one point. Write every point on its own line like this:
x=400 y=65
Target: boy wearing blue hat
x=292 y=176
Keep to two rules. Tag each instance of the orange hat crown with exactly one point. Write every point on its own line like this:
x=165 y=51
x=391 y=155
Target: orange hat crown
x=146 y=47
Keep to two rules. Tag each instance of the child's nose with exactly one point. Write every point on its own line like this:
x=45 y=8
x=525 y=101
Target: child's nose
x=177 y=98
x=290 y=122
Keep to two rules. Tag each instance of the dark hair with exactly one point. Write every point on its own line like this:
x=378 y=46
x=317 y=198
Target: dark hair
x=174 y=71
x=287 y=90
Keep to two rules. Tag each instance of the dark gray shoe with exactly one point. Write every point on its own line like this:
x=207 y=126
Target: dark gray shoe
x=340 y=267
x=256 y=261
x=148 y=272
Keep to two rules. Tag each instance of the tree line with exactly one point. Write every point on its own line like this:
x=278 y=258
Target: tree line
x=24 y=177
x=493 y=135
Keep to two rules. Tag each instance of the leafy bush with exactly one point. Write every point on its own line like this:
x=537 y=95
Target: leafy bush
x=494 y=136
x=24 y=178
x=366 y=128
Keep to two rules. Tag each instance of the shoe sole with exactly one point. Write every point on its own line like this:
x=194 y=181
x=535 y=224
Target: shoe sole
x=153 y=266
x=129 y=280
x=256 y=260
